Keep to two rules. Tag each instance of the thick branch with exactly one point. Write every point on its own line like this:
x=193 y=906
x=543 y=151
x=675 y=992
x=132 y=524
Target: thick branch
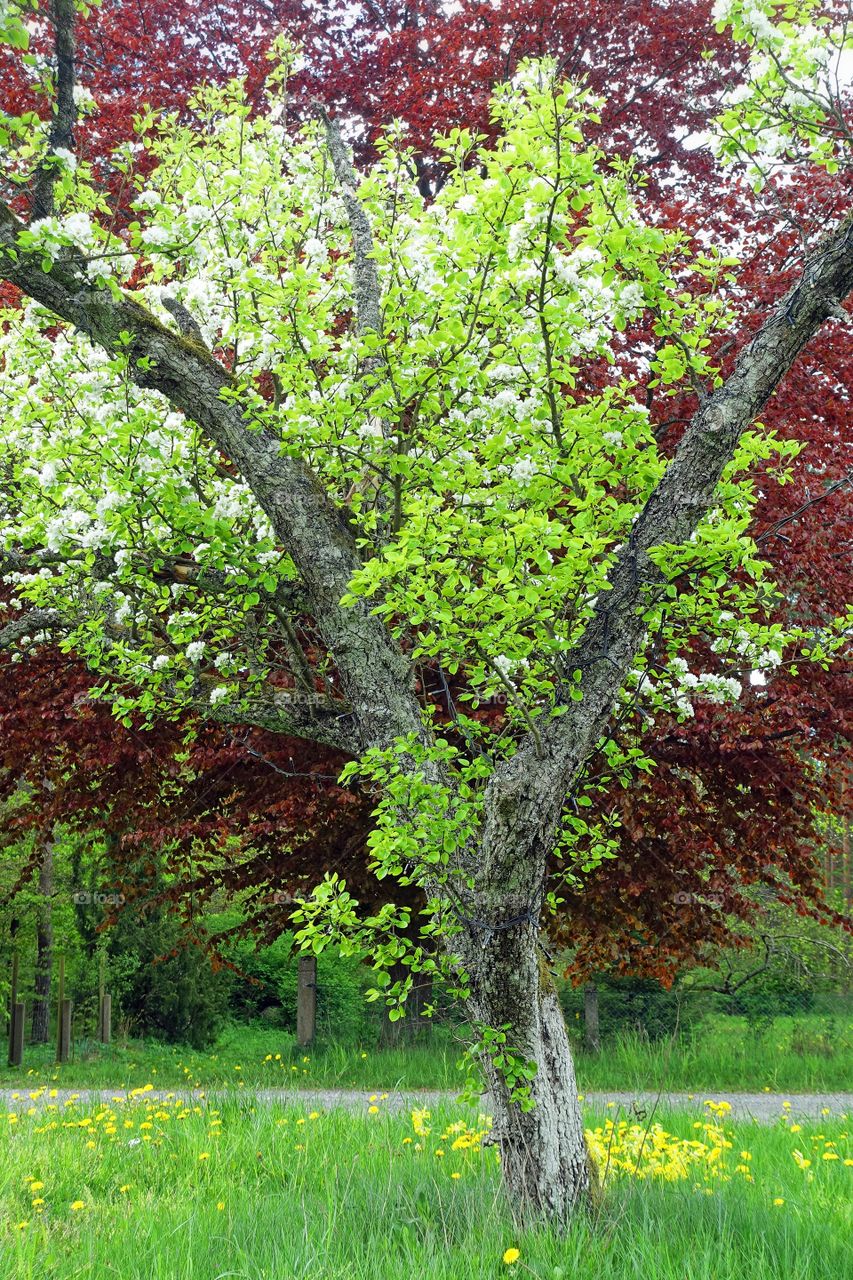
x=33 y=622
x=528 y=793
x=296 y=715
x=64 y=111
x=376 y=677
x=366 y=279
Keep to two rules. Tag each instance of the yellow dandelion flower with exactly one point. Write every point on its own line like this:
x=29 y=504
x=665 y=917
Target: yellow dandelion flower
x=125 y=1188
x=220 y=1205
x=511 y=1256
x=77 y=1205
x=21 y=1226
x=373 y=1110
x=38 y=1201
x=205 y=1155
x=313 y=1115
x=456 y=1175
x=779 y=1200
x=35 y=1186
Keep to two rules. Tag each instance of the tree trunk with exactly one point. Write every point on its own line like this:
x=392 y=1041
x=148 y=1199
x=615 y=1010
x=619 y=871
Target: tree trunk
x=592 y=1034
x=544 y=1159
x=44 y=950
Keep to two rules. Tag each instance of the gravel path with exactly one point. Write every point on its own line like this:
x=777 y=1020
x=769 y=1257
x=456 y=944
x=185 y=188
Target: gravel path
x=765 y=1108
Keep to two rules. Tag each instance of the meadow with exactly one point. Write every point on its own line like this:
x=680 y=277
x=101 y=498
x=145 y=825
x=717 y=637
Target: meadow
x=153 y=1188
x=810 y=1053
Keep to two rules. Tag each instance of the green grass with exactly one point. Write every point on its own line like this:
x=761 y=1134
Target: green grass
x=807 y=1054
x=243 y=1057
x=344 y=1197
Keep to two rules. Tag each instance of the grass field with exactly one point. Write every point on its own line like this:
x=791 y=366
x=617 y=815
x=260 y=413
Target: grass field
x=806 y=1054
x=152 y=1189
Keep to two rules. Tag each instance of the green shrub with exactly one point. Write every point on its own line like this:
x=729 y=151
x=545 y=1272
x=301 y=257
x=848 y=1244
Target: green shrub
x=636 y=1005
x=777 y=992
x=162 y=987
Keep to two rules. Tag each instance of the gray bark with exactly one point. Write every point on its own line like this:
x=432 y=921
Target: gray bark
x=544 y=1160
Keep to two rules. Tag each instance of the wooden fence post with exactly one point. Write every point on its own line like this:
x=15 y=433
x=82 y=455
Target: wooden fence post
x=13 y=1001
x=105 y=1003
x=64 y=1046
x=60 y=1001
x=306 y=1000
x=16 y=1035
x=106 y=1018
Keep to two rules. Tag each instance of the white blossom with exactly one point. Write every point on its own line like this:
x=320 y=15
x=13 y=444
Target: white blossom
x=156 y=236
x=83 y=98
x=67 y=157
x=523 y=471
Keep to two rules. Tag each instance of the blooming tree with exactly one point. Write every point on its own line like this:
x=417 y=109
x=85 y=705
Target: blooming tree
x=311 y=395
